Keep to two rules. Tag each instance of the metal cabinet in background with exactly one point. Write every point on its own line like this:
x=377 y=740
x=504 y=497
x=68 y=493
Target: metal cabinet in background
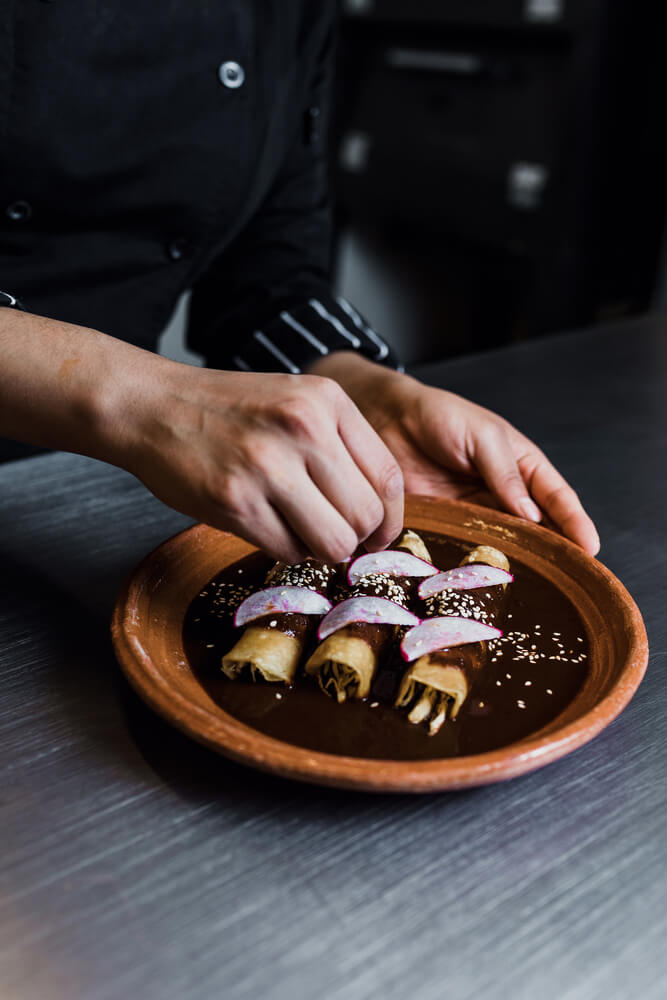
x=516 y=146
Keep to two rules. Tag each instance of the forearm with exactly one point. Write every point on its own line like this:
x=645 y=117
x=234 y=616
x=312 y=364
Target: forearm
x=69 y=387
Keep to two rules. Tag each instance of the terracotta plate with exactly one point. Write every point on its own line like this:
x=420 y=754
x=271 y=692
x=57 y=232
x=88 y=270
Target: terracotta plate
x=147 y=634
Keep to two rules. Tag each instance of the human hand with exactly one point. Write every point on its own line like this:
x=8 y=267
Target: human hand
x=285 y=461
x=449 y=446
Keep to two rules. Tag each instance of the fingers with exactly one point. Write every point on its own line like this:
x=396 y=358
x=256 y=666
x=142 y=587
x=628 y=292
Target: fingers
x=508 y=478
x=304 y=468
x=341 y=481
x=495 y=459
x=379 y=468
x=260 y=524
x=560 y=502
x=347 y=461
x=312 y=517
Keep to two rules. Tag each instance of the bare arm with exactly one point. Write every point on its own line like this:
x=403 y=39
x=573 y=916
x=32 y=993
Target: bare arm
x=286 y=461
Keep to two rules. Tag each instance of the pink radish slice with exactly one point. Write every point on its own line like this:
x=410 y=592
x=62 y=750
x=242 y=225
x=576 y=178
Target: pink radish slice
x=281 y=600
x=392 y=562
x=441 y=633
x=375 y=610
x=474 y=576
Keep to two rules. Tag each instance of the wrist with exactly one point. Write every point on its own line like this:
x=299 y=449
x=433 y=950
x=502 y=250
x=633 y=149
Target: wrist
x=353 y=368
x=370 y=385
x=126 y=403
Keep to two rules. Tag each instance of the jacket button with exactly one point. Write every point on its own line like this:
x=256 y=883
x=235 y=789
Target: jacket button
x=177 y=249
x=19 y=211
x=311 y=126
x=231 y=75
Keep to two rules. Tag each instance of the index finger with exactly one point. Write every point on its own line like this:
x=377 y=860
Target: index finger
x=378 y=465
x=560 y=502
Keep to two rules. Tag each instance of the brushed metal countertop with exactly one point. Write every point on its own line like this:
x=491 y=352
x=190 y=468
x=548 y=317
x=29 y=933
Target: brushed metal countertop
x=134 y=863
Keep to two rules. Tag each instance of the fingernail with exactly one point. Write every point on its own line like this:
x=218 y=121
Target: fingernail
x=530 y=510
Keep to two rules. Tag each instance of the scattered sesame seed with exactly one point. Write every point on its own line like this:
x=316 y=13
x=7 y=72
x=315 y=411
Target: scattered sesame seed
x=549 y=691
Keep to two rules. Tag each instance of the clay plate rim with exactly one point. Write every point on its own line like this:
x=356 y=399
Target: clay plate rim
x=147 y=636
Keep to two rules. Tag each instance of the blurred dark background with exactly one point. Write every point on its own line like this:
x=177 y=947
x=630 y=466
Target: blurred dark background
x=499 y=166
x=499 y=170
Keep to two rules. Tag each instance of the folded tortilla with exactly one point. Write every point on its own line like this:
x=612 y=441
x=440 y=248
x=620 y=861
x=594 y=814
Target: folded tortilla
x=345 y=662
x=271 y=647
x=435 y=686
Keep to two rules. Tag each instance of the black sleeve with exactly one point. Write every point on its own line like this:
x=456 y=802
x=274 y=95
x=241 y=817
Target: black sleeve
x=265 y=304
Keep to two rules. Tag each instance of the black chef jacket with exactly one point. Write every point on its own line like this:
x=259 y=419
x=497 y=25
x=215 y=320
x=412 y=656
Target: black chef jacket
x=150 y=148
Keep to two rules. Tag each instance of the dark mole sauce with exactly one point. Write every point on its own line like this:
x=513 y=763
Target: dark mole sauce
x=544 y=652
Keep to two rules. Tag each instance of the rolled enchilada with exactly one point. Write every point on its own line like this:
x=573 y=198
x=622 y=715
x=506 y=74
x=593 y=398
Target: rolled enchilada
x=272 y=646
x=435 y=686
x=345 y=662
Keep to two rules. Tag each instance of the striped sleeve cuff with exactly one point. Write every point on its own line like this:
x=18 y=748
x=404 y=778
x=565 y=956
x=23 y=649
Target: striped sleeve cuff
x=10 y=301
x=297 y=337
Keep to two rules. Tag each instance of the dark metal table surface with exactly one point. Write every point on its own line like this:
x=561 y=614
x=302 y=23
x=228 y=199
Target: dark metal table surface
x=137 y=864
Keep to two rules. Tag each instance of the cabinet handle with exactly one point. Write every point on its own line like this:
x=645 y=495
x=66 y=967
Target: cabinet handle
x=457 y=63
